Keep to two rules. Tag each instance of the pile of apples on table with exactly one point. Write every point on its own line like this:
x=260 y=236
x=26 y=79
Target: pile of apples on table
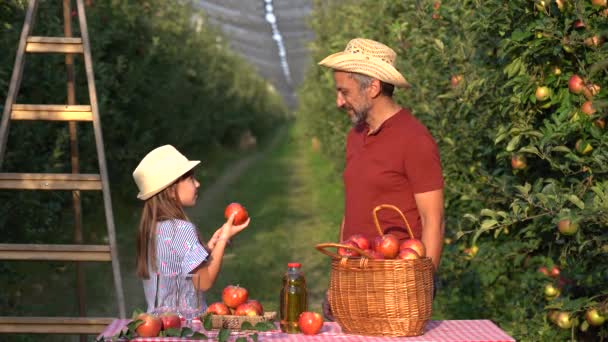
x=386 y=246
x=235 y=301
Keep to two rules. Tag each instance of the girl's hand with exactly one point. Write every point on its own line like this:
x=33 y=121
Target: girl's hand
x=229 y=230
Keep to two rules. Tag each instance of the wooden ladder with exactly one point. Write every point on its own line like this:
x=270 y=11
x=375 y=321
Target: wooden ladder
x=73 y=181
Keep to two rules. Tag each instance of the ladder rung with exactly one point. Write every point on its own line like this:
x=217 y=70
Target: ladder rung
x=10 y=251
x=51 y=112
x=54 y=44
x=54 y=325
x=50 y=181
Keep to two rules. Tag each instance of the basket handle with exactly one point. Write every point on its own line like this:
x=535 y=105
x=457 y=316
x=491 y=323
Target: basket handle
x=322 y=247
x=390 y=206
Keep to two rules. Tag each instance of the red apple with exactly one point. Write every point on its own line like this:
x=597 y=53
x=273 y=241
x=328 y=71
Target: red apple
x=310 y=323
x=578 y=24
x=348 y=252
x=150 y=327
x=587 y=108
x=594 y=41
x=170 y=320
x=436 y=5
x=234 y=296
x=360 y=240
x=594 y=318
x=414 y=244
x=455 y=80
x=576 y=84
x=387 y=245
x=554 y=273
x=218 y=308
x=567 y=227
x=591 y=90
x=246 y=309
x=551 y=291
x=373 y=254
x=601 y=123
x=518 y=162
x=241 y=214
x=256 y=305
x=408 y=254
x=542 y=93
x=543 y=270
x=599 y=3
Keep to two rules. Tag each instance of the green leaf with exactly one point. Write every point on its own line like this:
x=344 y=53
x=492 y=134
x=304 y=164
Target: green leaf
x=254 y=337
x=529 y=149
x=519 y=35
x=223 y=335
x=513 y=143
x=265 y=326
x=487 y=212
x=439 y=44
x=576 y=201
x=185 y=332
x=208 y=321
x=198 y=336
x=246 y=326
x=241 y=339
x=486 y=224
x=174 y=332
x=560 y=149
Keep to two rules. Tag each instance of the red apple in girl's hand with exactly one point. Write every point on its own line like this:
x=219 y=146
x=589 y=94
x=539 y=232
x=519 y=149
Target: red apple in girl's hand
x=414 y=244
x=234 y=296
x=150 y=327
x=387 y=245
x=241 y=214
x=218 y=308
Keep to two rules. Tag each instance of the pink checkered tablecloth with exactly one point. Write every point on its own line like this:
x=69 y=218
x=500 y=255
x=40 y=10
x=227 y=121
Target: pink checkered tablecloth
x=442 y=331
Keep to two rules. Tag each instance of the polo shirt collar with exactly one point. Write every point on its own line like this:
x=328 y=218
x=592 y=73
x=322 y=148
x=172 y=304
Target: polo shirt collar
x=388 y=122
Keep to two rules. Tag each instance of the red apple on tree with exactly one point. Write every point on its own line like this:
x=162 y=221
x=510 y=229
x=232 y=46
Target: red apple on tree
x=594 y=318
x=518 y=161
x=587 y=108
x=567 y=227
x=591 y=90
x=554 y=273
x=543 y=270
x=234 y=296
x=241 y=214
x=563 y=320
x=170 y=320
x=583 y=147
x=150 y=327
x=310 y=323
x=218 y=308
x=542 y=93
x=576 y=84
x=416 y=245
x=599 y=3
x=455 y=80
x=387 y=245
x=551 y=291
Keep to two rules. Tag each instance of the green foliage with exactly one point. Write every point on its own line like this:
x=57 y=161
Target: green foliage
x=162 y=77
x=503 y=51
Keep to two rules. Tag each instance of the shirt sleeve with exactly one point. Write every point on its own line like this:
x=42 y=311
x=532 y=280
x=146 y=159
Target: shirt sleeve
x=422 y=163
x=194 y=252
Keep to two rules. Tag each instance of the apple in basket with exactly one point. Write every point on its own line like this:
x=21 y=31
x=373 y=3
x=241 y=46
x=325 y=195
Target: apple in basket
x=408 y=254
x=414 y=244
x=373 y=254
x=257 y=306
x=310 y=323
x=347 y=252
x=387 y=245
x=360 y=240
x=246 y=309
x=170 y=320
x=218 y=308
x=234 y=296
x=150 y=327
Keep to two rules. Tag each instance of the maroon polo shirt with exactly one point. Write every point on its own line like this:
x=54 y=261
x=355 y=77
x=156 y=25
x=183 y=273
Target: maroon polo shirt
x=388 y=166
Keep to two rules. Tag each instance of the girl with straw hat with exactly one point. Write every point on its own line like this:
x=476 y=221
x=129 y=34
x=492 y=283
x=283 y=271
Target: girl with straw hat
x=167 y=242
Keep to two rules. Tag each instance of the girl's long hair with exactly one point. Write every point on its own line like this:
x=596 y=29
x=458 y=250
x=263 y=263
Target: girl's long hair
x=165 y=205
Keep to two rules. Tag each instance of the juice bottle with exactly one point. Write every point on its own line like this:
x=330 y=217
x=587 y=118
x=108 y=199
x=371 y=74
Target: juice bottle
x=293 y=298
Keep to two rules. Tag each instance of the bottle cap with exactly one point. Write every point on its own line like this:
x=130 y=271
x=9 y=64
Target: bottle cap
x=294 y=264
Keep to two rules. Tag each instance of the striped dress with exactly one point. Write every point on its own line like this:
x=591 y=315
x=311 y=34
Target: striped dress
x=178 y=252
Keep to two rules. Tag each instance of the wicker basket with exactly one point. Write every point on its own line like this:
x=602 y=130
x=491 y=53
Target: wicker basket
x=391 y=297
x=234 y=322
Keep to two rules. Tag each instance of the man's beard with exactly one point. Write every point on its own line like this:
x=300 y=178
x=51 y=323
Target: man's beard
x=360 y=115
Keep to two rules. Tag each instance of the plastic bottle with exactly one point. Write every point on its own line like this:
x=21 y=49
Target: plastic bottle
x=293 y=298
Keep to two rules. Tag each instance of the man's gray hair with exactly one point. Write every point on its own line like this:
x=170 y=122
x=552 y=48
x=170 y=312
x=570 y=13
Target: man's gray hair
x=365 y=81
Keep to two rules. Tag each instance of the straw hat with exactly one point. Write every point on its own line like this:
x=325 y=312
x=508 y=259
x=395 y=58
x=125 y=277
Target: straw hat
x=159 y=169
x=367 y=57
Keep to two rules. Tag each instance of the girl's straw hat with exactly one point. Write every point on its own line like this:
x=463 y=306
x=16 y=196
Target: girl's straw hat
x=159 y=169
x=367 y=57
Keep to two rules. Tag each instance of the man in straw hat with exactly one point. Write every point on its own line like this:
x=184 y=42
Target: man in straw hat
x=391 y=158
